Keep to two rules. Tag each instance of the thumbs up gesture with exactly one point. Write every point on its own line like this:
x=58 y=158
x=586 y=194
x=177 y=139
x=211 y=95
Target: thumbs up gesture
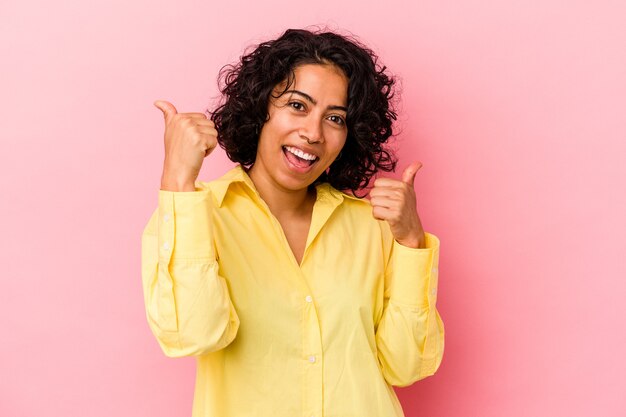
x=189 y=138
x=394 y=201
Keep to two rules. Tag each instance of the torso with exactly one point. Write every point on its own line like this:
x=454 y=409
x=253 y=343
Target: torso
x=296 y=231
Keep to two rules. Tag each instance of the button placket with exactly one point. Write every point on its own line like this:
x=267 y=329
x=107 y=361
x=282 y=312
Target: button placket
x=312 y=350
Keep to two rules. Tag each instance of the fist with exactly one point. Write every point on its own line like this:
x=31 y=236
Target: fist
x=189 y=138
x=395 y=202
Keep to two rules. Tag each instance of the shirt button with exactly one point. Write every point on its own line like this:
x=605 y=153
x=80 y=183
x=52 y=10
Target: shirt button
x=166 y=217
x=312 y=359
x=166 y=246
x=433 y=291
x=308 y=298
x=434 y=270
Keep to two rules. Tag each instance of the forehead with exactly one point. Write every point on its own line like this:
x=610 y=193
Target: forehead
x=322 y=82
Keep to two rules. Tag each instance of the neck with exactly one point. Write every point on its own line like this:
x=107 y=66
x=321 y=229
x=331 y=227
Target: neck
x=282 y=201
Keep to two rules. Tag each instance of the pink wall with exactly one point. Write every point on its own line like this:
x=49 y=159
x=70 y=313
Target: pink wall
x=517 y=110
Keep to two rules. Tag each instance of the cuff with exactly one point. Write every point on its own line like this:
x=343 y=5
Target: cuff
x=184 y=225
x=415 y=273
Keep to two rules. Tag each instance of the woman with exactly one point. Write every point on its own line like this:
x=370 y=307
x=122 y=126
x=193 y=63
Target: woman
x=297 y=299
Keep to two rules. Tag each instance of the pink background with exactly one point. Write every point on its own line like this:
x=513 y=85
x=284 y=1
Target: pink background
x=517 y=110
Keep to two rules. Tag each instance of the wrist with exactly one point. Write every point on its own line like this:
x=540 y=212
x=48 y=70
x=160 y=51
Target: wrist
x=415 y=242
x=170 y=184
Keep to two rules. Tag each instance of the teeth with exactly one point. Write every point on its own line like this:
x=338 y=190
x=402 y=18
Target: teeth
x=301 y=154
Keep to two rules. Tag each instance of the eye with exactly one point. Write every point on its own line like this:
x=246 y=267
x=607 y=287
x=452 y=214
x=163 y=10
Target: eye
x=337 y=119
x=297 y=105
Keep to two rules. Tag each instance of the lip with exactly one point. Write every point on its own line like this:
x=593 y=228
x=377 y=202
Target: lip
x=297 y=169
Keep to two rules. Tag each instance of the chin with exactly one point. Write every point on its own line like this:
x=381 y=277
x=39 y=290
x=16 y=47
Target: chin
x=292 y=183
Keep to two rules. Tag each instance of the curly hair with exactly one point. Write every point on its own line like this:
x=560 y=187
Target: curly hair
x=246 y=87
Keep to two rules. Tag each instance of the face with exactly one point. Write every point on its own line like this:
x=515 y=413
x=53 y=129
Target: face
x=306 y=129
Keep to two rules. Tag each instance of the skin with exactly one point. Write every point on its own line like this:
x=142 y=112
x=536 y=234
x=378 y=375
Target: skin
x=395 y=202
x=295 y=119
x=311 y=117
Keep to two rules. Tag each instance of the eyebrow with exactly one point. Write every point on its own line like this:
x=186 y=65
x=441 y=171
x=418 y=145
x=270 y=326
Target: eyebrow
x=309 y=98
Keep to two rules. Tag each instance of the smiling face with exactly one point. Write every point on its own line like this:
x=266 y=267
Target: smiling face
x=306 y=128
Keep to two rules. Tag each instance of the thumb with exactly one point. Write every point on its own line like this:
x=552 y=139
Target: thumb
x=408 y=175
x=167 y=108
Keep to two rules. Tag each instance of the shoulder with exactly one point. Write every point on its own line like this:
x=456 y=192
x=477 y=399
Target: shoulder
x=220 y=186
x=358 y=207
x=345 y=198
x=356 y=213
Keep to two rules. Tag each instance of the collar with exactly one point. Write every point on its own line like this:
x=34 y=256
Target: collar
x=220 y=186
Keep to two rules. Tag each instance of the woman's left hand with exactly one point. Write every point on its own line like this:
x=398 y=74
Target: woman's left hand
x=395 y=202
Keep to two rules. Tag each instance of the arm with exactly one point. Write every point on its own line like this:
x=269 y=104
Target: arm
x=410 y=333
x=187 y=303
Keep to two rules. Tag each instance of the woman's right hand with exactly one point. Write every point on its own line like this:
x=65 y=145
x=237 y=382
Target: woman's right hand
x=189 y=138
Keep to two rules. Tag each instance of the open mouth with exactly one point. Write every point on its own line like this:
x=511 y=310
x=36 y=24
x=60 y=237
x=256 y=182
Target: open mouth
x=299 y=158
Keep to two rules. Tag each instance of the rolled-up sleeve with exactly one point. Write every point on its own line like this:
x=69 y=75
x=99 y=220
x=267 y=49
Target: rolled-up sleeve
x=410 y=333
x=187 y=302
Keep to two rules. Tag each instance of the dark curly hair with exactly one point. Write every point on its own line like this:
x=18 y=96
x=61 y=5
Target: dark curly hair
x=246 y=87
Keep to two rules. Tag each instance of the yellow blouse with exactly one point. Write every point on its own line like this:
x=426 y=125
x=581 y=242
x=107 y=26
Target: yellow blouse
x=274 y=338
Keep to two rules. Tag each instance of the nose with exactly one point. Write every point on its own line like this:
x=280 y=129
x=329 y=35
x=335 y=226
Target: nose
x=311 y=130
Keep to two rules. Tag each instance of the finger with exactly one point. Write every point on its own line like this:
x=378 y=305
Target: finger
x=201 y=125
x=383 y=202
x=388 y=183
x=204 y=123
x=206 y=130
x=391 y=193
x=408 y=176
x=381 y=213
x=194 y=115
x=210 y=147
x=167 y=108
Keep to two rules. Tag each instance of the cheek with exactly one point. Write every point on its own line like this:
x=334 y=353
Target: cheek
x=339 y=141
x=282 y=122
